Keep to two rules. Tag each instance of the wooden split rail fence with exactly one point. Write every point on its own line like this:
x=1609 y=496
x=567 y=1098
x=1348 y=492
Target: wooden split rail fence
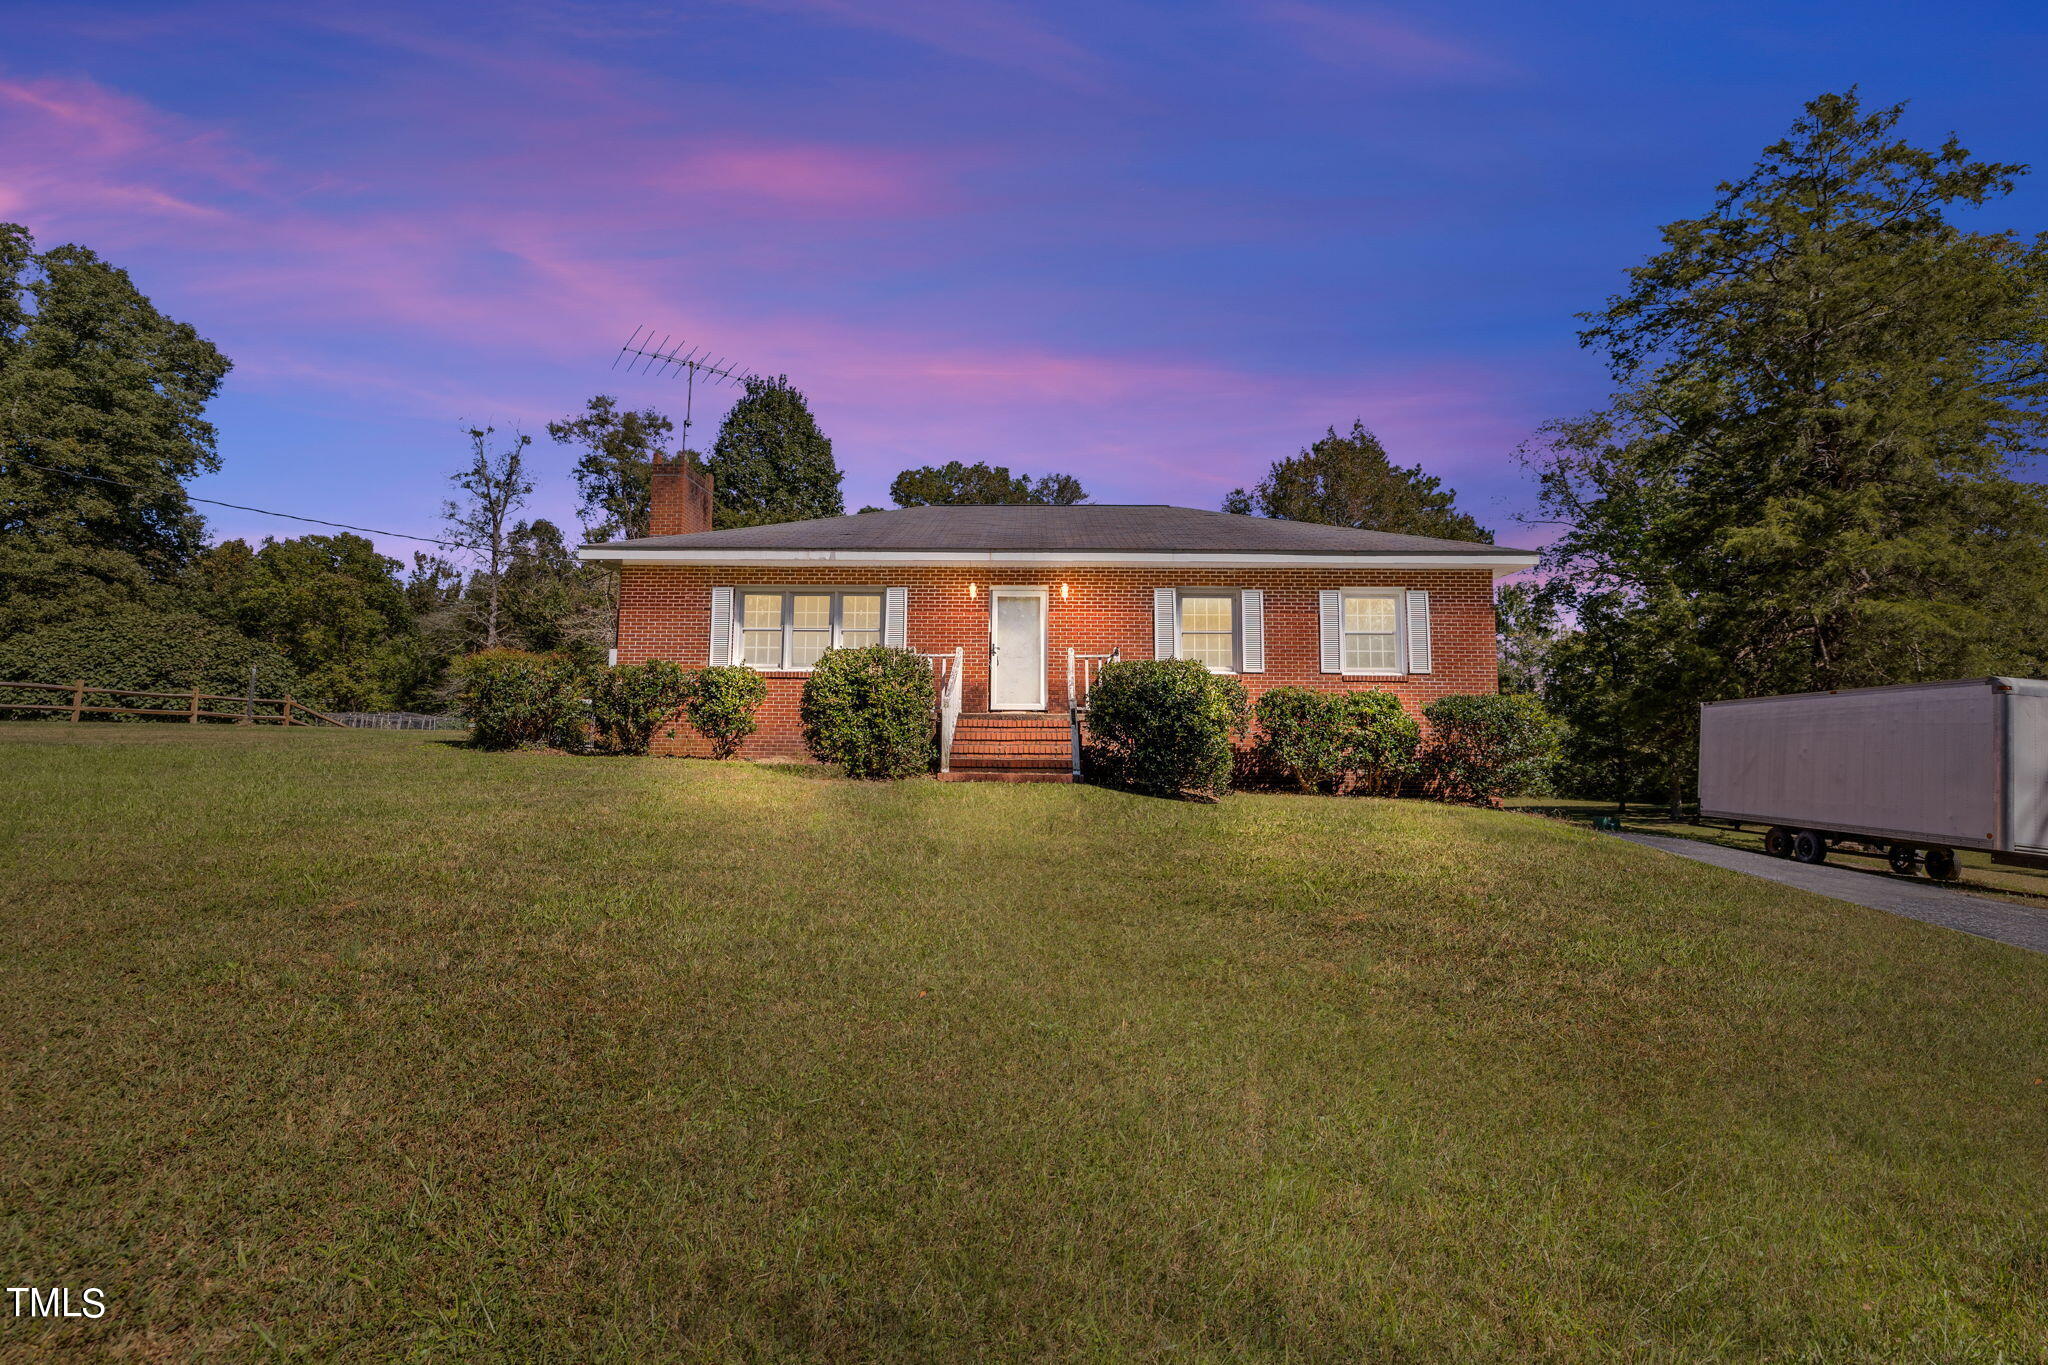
x=282 y=710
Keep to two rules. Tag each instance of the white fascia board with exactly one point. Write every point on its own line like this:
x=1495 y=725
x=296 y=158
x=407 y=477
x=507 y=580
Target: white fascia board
x=1501 y=564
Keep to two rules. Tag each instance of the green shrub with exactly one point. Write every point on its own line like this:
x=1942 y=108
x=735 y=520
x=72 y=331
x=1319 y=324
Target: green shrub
x=872 y=711
x=1384 y=742
x=722 y=705
x=1486 y=746
x=1305 y=735
x=1329 y=740
x=515 y=699
x=629 y=701
x=143 y=651
x=1164 y=726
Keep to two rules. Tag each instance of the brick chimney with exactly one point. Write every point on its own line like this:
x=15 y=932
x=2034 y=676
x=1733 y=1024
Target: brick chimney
x=681 y=498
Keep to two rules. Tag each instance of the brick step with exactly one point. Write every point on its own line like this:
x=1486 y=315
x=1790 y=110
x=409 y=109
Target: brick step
x=1035 y=719
x=1062 y=751
x=1000 y=775
x=1008 y=728
x=1043 y=762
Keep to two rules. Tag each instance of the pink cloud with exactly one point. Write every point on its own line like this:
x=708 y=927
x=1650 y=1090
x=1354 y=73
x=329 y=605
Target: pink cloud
x=1369 y=37
x=802 y=175
x=74 y=147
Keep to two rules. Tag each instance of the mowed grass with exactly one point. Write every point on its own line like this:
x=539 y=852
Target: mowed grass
x=365 y=1046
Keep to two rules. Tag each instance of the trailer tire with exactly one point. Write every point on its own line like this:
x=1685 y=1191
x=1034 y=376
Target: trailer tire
x=1778 y=841
x=1809 y=847
x=1943 y=865
x=1904 y=859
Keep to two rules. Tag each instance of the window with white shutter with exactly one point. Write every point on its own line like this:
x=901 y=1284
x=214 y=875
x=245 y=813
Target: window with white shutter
x=789 y=629
x=721 y=651
x=1252 y=606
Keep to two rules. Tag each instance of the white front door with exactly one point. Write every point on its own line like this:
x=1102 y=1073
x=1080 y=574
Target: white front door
x=1016 y=659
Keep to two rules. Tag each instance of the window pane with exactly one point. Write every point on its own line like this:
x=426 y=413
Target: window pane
x=1205 y=613
x=805 y=646
x=1373 y=614
x=1212 y=649
x=811 y=611
x=860 y=612
x=859 y=639
x=1369 y=651
x=762 y=610
x=763 y=648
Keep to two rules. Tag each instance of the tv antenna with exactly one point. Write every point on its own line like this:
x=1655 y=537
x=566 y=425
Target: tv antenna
x=669 y=356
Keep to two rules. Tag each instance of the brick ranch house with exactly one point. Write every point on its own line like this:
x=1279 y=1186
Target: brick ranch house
x=1018 y=606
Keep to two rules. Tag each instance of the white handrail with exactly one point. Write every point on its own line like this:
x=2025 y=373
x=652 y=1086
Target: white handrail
x=949 y=669
x=1085 y=668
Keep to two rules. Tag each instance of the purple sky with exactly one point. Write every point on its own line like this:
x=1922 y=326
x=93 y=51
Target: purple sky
x=1154 y=245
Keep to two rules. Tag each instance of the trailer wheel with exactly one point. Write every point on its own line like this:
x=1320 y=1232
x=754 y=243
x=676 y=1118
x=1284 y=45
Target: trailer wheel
x=1778 y=841
x=1904 y=859
x=1808 y=847
x=1943 y=865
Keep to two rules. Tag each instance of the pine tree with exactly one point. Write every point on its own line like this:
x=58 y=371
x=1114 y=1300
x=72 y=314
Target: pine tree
x=771 y=463
x=1808 y=477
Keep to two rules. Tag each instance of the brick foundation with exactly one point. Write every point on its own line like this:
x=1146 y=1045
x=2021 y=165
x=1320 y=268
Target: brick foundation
x=665 y=613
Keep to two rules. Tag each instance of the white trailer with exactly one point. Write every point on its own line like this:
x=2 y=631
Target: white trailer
x=1915 y=772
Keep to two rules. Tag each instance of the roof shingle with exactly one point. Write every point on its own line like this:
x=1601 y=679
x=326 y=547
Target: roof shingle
x=1080 y=529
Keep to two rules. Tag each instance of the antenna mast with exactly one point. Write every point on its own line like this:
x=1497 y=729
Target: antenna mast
x=645 y=355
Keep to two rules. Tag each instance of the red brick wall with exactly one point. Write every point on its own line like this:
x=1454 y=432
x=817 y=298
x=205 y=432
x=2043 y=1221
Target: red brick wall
x=665 y=613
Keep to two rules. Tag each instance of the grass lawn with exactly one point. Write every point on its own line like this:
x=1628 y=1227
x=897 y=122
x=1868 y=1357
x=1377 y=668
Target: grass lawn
x=2020 y=885
x=352 y=1045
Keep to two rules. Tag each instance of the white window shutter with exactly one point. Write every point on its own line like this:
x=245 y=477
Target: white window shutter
x=1418 y=631
x=721 y=650
x=1253 y=605
x=1330 y=608
x=895 y=605
x=1165 y=622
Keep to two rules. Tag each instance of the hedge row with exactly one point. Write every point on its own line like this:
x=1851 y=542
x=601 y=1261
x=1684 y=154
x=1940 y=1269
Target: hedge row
x=1170 y=727
x=514 y=699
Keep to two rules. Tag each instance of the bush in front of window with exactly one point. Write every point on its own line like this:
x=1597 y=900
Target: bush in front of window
x=1483 y=747
x=514 y=699
x=1165 y=726
x=1382 y=742
x=1305 y=735
x=722 y=705
x=872 y=711
x=629 y=701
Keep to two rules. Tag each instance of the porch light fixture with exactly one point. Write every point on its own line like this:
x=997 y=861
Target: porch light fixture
x=970 y=592
x=1063 y=592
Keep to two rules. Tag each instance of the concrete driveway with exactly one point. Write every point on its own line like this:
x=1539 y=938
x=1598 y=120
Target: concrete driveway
x=2018 y=925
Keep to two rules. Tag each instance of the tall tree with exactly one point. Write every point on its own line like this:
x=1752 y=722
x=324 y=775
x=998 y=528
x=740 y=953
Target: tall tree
x=102 y=402
x=615 y=464
x=1525 y=629
x=1349 y=481
x=494 y=485
x=331 y=604
x=771 y=463
x=552 y=603
x=1809 y=477
x=954 y=484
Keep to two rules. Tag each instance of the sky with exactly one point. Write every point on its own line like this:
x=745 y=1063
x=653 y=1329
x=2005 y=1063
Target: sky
x=1154 y=245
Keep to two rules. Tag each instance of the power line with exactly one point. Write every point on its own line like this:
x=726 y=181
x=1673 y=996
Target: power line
x=260 y=511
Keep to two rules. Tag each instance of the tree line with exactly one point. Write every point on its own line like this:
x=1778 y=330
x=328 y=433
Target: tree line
x=1814 y=471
